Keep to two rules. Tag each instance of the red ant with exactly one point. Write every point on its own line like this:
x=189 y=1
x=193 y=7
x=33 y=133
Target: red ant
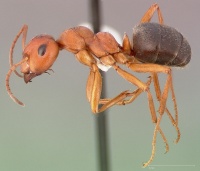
x=154 y=49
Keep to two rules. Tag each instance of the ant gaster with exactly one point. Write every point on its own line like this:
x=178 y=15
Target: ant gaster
x=154 y=49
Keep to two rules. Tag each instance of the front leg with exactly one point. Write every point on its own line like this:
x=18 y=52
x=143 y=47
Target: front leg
x=94 y=88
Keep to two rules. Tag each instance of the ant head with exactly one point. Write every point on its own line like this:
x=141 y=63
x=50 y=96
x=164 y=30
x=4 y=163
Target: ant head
x=41 y=52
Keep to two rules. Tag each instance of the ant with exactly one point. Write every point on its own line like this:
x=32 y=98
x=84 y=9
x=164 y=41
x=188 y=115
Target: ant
x=155 y=49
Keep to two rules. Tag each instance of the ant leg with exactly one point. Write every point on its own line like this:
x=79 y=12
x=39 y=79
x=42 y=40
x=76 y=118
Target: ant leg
x=158 y=94
x=175 y=124
x=165 y=93
x=154 y=68
x=169 y=85
x=12 y=68
x=132 y=79
x=144 y=68
x=157 y=127
x=146 y=18
x=94 y=84
x=94 y=87
x=23 y=30
x=149 y=14
x=93 y=90
x=174 y=100
x=156 y=85
x=133 y=95
x=161 y=133
x=164 y=139
x=114 y=101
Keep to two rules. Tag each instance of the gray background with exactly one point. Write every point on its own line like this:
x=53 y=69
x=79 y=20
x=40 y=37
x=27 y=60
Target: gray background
x=56 y=130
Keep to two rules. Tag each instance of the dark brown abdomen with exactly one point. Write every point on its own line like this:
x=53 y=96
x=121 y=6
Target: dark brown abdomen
x=160 y=44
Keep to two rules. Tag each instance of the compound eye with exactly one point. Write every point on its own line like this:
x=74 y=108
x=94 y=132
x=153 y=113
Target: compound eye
x=42 y=49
